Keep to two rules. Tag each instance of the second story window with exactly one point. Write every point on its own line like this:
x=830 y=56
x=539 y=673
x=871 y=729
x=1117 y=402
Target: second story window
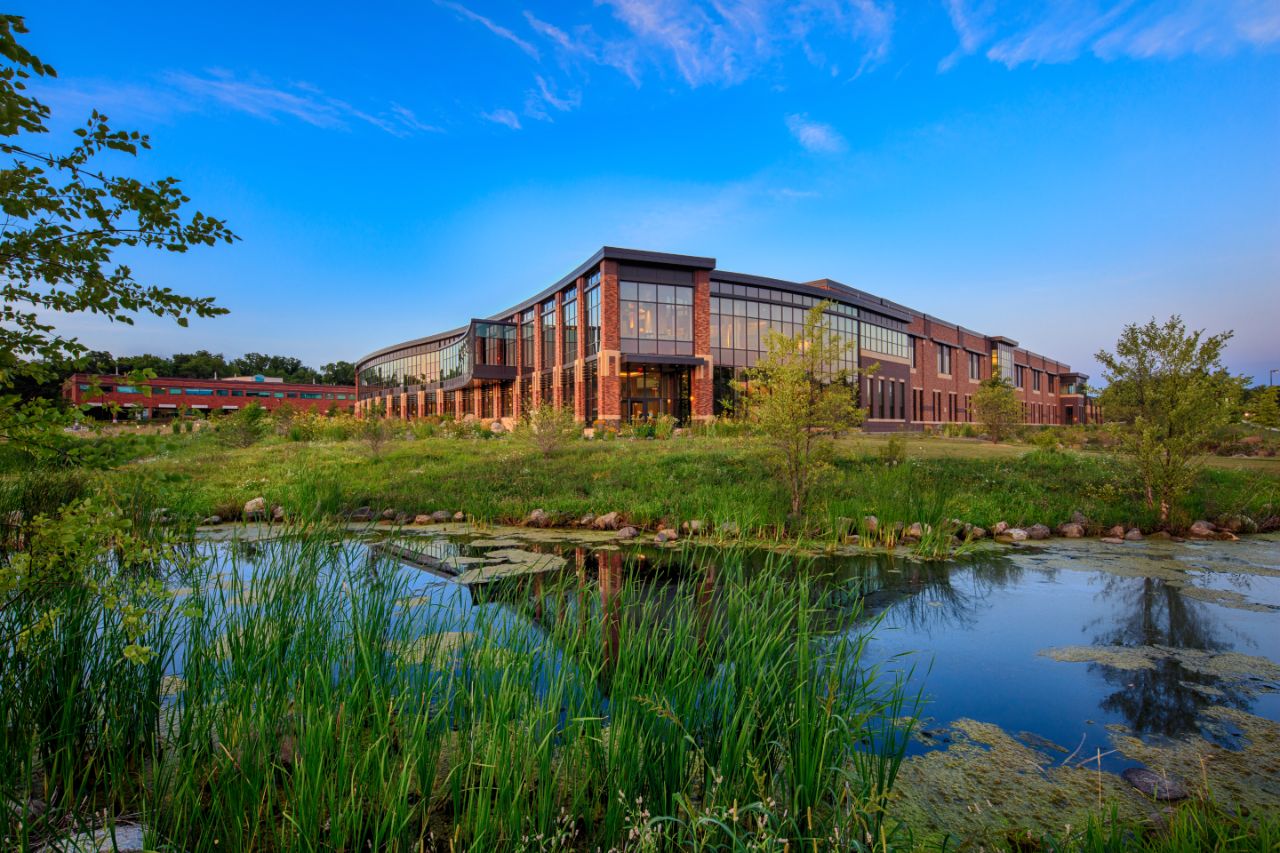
x=656 y=318
x=548 y=325
x=975 y=366
x=569 y=316
x=593 y=314
x=944 y=359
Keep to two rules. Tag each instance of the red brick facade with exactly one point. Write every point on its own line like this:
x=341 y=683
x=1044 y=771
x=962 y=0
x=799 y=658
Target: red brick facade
x=169 y=396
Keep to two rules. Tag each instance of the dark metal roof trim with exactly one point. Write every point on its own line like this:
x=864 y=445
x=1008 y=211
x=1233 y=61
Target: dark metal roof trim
x=651 y=358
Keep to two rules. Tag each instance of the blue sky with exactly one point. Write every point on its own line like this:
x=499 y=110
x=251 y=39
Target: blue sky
x=1047 y=171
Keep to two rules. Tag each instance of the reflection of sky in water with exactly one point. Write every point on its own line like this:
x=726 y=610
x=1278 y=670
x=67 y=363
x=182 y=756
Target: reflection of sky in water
x=978 y=631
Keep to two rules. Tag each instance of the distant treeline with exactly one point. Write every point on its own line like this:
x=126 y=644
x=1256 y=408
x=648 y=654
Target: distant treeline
x=200 y=364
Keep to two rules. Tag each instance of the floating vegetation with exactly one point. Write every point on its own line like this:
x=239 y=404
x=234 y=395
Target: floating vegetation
x=1228 y=666
x=987 y=788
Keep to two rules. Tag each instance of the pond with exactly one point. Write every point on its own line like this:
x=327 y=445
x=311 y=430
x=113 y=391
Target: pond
x=1043 y=670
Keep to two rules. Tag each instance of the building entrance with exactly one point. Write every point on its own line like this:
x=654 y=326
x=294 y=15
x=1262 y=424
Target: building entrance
x=652 y=390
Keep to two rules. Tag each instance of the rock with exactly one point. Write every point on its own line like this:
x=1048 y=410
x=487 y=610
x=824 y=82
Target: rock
x=121 y=839
x=255 y=509
x=497 y=428
x=1165 y=535
x=1038 y=531
x=678 y=432
x=1079 y=518
x=693 y=527
x=1112 y=540
x=1153 y=784
x=976 y=533
x=1118 y=531
x=729 y=529
x=1133 y=535
x=586 y=520
x=608 y=521
x=211 y=520
x=389 y=514
x=403 y=518
x=1017 y=534
x=1201 y=530
x=872 y=524
x=1000 y=528
x=459 y=516
x=666 y=534
x=915 y=531
x=363 y=513
x=626 y=533
x=589 y=433
x=441 y=515
x=422 y=518
x=469 y=418
x=277 y=514
x=1237 y=524
x=537 y=518
x=1225 y=536
x=1071 y=530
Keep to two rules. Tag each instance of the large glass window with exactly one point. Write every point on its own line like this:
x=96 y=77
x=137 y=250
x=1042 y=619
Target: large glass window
x=548 y=323
x=656 y=318
x=944 y=359
x=740 y=329
x=975 y=366
x=495 y=343
x=526 y=340
x=880 y=337
x=569 y=313
x=593 y=314
x=1002 y=362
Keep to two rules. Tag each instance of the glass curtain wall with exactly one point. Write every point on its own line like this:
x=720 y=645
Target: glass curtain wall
x=656 y=318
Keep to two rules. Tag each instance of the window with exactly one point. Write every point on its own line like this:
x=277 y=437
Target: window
x=740 y=330
x=656 y=318
x=292 y=395
x=120 y=389
x=936 y=413
x=526 y=340
x=1051 y=378
x=1020 y=376
x=968 y=407
x=200 y=392
x=175 y=390
x=237 y=393
x=222 y=392
x=975 y=366
x=307 y=395
x=917 y=404
x=944 y=359
x=884 y=340
x=569 y=313
x=1002 y=362
x=548 y=326
x=593 y=314
x=1035 y=380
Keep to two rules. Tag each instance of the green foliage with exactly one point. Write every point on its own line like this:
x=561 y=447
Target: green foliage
x=894 y=451
x=1264 y=407
x=996 y=408
x=244 y=428
x=548 y=429
x=797 y=401
x=1169 y=391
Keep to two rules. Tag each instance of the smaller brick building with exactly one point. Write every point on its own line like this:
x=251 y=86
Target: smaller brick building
x=166 y=397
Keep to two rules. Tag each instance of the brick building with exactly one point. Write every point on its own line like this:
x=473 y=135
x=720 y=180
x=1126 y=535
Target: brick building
x=633 y=334
x=165 y=397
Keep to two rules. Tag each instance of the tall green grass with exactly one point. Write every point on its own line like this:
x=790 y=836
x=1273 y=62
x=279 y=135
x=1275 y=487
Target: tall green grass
x=323 y=707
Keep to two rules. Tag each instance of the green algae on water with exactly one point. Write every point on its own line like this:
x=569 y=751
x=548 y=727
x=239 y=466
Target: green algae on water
x=1229 y=666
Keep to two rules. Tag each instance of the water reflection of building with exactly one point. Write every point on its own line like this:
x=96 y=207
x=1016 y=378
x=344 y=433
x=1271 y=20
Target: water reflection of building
x=634 y=334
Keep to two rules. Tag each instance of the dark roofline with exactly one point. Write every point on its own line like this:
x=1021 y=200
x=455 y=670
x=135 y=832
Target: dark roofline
x=839 y=291
x=413 y=343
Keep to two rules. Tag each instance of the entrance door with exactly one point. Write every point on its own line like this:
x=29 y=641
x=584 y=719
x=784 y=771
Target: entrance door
x=651 y=390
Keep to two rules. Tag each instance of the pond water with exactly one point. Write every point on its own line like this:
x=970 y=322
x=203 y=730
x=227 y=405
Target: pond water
x=1068 y=648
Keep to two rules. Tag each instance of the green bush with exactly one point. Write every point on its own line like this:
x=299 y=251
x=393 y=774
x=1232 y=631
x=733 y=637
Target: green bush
x=246 y=427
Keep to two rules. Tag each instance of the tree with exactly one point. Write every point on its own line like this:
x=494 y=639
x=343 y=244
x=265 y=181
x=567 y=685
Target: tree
x=65 y=222
x=1169 y=392
x=1264 y=409
x=338 y=373
x=798 y=399
x=996 y=407
x=548 y=428
x=200 y=364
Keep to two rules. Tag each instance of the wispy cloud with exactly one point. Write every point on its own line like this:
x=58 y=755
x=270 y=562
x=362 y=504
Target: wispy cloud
x=1063 y=31
x=815 y=136
x=300 y=101
x=493 y=27
x=537 y=101
x=503 y=117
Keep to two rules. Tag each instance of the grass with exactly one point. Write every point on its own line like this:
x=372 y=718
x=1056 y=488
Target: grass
x=318 y=709
x=712 y=479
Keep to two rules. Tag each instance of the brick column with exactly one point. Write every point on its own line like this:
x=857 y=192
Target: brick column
x=535 y=394
x=701 y=388
x=422 y=404
x=404 y=405
x=610 y=361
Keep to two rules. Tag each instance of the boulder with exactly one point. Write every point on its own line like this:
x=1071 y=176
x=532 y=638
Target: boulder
x=277 y=514
x=497 y=428
x=666 y=534
x=1201 y=530
x=693 y=527
x=1016 y=534
x=729 y=529
x=872 y=524
x=1071 y=530
x=1165 y=535
x=976 y=533
x=1237 y=524
x=441 y=515
x=422 y=518
x=211 y=520
x=1000 y=528
x=915 y=531
x=537 y=518
x=121 y=838
x=403 y=518
x=1038 y=531
x=1112 y=540
x=459 y=516
x=1154 y=785
x=389 y=514
x=1117 y=532
x=1133 y=535
x=586 y=520
x=1079 y=518
x=626 y=533
x=363 y=513
x=469 y=418
x=608 y=521
x=255 y=509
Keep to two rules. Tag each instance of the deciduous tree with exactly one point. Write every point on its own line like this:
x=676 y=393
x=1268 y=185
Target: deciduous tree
x=996 y=408
x=1169 y=391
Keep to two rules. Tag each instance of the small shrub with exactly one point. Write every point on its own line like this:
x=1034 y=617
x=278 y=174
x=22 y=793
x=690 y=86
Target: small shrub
x=548 y=428
x=894 y=451
x=246 y=427
x=175 y=427
x=664 y=427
